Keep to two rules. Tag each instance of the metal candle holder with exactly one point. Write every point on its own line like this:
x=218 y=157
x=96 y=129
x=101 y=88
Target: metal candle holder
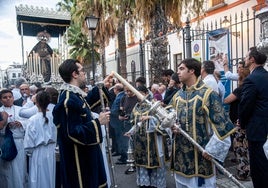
x=130 y=156
x=168 y=119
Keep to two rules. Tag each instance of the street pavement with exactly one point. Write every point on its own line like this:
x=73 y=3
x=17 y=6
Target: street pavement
x=129 y=181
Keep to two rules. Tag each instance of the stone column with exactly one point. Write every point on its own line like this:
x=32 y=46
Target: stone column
x=262 y=14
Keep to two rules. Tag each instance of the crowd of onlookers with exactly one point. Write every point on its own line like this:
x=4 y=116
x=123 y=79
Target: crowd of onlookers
x=33 y=112
x=123 y=102
x=24 y=109
x=22 y=98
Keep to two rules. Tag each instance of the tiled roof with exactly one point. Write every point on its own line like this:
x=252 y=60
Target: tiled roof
x=41 y=12
x=32 y=20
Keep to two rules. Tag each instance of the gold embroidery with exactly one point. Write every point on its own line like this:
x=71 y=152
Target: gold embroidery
x=97 y=131
x=95 y=104
x=78 y=166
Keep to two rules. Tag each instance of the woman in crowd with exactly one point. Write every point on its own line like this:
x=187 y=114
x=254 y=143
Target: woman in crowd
x=240 y=145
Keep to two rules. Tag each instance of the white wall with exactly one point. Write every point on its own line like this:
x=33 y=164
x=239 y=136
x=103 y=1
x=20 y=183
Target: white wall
x=176 y=39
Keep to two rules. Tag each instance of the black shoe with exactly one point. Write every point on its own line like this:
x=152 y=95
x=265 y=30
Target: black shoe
x=119 y=162
x=130 y=171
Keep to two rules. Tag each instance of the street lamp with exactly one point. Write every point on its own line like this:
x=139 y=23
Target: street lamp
x=92 y=23
x=227 y=24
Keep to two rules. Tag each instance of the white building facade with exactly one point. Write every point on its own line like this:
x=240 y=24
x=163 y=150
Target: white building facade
x=244 y=31
x=10 y=74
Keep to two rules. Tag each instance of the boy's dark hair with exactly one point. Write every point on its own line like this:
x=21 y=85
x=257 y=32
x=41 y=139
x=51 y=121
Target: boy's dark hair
x=141 y=80
x=193 y=64
x=259 y=57
x=167 y=72
x=175 y=77
x=209 y=67
x=4 y=91
x=67 y=68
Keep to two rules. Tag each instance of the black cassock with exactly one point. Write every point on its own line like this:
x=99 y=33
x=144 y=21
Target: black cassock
x=79 y=138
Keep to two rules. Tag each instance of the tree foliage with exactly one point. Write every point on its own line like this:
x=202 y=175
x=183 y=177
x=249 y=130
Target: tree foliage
x=156 y=16
x=173 y=10
x=81 y=47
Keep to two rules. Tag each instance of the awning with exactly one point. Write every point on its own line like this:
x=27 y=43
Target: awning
x=37 y=19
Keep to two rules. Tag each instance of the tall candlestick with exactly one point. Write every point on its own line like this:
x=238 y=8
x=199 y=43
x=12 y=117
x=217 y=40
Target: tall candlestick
x=39 y=66
x=35 y=64
x=31 y=64
x=128 y=85
x=56 y=65
x=36 y=68
x=51 y=64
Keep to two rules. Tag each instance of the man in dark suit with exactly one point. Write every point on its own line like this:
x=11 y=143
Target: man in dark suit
x=115 y=123
x=253 y=111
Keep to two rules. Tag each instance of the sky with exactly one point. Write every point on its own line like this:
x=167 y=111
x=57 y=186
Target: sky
x=10 y=40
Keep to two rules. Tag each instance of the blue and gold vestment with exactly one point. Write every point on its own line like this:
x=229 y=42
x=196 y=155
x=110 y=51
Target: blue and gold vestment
x=146 y=152
x=200 y=113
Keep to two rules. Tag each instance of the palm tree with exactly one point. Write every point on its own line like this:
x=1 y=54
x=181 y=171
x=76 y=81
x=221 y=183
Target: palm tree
x=81 y=47
x=122 y=13
x=77 y=39
x=66 y=5
x=105 y=29
x=121 y=39
x=157 y=16
x=111 y=13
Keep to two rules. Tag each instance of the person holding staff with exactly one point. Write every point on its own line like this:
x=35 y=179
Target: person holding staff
x=79 y=134
x=201 y=115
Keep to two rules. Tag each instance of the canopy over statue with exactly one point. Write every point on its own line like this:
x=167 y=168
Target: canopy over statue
x=42 y=23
